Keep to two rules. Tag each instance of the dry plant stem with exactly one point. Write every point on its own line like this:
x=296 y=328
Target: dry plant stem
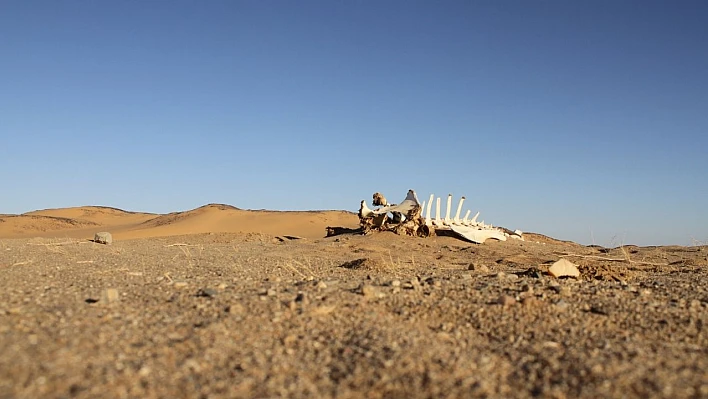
x=27 y=262
x=615 y=259
x=54 y=244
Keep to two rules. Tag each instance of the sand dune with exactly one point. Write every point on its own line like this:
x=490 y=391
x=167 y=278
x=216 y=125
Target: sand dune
x=84 y=222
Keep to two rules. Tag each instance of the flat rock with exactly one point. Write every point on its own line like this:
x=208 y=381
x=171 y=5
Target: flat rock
x=103 y=237
x=564 y=268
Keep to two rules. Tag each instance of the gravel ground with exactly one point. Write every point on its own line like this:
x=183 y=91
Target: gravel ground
x=381 y=316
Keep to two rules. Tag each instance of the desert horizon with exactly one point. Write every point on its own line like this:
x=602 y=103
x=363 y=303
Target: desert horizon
x=84 y=221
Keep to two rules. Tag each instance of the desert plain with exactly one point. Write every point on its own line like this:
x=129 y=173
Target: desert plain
x=219 y=302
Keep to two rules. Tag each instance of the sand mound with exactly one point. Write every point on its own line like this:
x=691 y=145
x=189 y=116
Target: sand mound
x=227 y=219
x=20 y=225
x=83 y=222
x=97 y=214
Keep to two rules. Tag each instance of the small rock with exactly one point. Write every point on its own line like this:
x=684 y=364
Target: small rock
x=564 y=291
x=368 y=291
x=110 y=295
x=321 y=285
x=396 y=283
x=564 y=268
x=478 y=267
x=236 y=308
x=506 y=300
x=103 y=237
x=271 y=292
x=561 y=304
x=206 y=292
x=530 y=302
x=179 y=284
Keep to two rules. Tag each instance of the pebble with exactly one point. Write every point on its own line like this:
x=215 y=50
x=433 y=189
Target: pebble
x=236 y=308
x=368 y=291
x=564 y=268
x=396 y=283
x=530 y=302
x=110 y=295
x=561 y=304
x=206 y=292
x=506 y=300
x=478 y=267
x=180 y=284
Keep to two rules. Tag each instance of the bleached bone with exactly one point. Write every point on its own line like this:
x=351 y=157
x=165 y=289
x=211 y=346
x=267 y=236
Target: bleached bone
x=474 y=219
x=476 y=235
x=447 y=220
x=410 y=215
x=437 y=221
x=429 y=210
x=364 y=211
x=456 y=220
x=404 y=207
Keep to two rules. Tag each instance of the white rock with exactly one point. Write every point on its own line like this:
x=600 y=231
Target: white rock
x=103 y=237
x=564 y=268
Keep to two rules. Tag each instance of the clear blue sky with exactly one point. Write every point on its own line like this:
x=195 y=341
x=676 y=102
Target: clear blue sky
x=559 y=117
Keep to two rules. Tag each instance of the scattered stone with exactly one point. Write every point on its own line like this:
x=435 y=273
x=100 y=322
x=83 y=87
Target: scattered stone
x=103 y=237
x=564 y=268
x=206 y=292
x=564 y=291
x=530 y=302
x=179 y=284
x=396 y=283
x=222 y=286
x=271 y=292
x=321 y=285
x=236 y=308
x=561 y=304
x=481 y=268
x=109 y=295
x=506 y=300
x=368 y=291
x=323 y=310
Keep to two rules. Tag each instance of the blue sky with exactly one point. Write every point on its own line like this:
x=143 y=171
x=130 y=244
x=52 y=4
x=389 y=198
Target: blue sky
x=580 y=120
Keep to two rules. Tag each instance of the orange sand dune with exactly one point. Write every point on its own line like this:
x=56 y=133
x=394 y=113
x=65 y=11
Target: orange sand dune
x=84 y=222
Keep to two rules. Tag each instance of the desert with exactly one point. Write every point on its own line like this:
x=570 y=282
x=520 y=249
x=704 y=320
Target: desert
x=221 y=302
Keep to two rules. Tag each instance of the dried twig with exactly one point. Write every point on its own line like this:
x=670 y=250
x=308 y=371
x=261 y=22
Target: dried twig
x=53 y=244
x=27 y=262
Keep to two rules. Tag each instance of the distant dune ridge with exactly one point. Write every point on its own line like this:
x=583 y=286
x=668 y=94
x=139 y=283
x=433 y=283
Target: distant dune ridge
x=83 y=222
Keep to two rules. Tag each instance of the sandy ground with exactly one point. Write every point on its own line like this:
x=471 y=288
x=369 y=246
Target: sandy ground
x=174 y=308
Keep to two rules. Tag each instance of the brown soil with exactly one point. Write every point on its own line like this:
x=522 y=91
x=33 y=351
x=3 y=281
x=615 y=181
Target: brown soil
x=380 y=316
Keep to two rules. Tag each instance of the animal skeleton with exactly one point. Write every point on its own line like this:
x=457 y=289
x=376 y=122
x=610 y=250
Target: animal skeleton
x=411 y=217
